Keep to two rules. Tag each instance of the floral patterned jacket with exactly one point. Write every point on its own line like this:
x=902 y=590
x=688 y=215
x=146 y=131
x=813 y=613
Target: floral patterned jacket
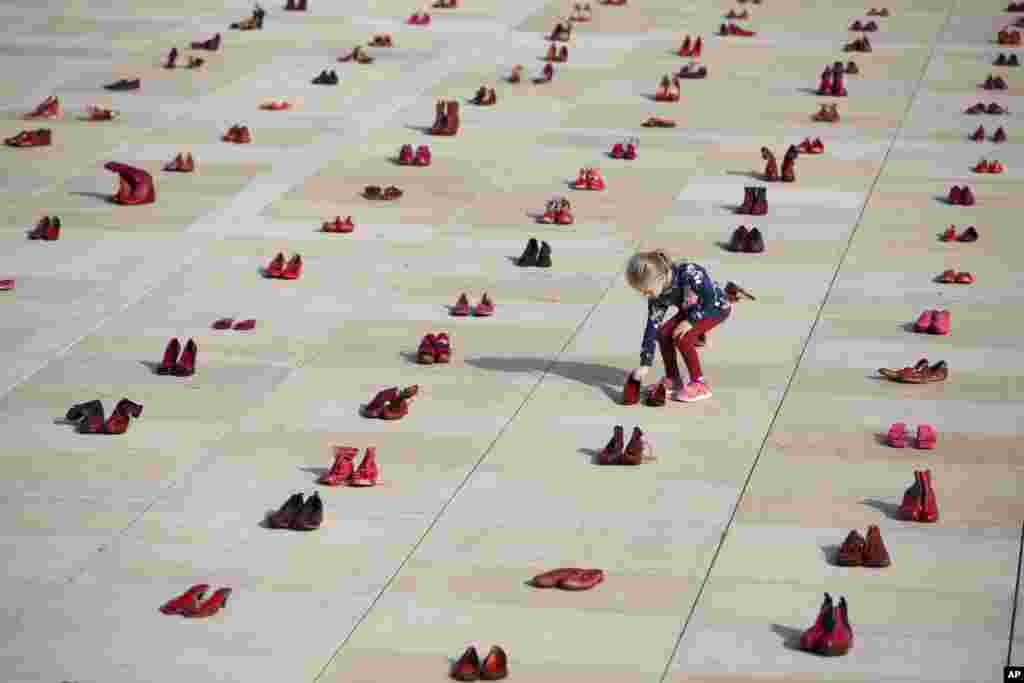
x=689 y=281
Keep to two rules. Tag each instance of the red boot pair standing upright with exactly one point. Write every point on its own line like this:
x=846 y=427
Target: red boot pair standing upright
x=446 y=118
x=183 y=365
x=343 y=470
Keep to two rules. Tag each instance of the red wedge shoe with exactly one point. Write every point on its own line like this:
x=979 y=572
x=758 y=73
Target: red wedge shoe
x=368 y=471
x=187 y=601
x=926 y=436
x=875 y=553
x=612 y=453
x=910 y=508
x=838 y=640
x=293 y=270
x=342 y=469
x=495 y=665
x=896 y=437
x=374 y=408
x=467 y=667
x=461 y=307
x=442 y=348
x=485 y=308
x=851 y=552
x=811 y=638
x=170 y=360
x=582 y=579
x=186 y=365
x=218 y=601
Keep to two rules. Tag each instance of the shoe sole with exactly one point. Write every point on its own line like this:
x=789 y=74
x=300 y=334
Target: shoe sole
x=702 y=397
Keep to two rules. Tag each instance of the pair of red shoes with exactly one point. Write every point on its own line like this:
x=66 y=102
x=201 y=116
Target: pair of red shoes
x=831 y=635
x=831 y=81
x=434 y=348
x=279 y=269
x=31 y=138
x=732 y=29
x=897 y=436
x=968 y=235
x=688 y=49
x=90 y=420
x=229 y=323
x=589 y=179
x=191 y=604
x=961 y=196
x=421 y=157
x=343 y=471
x=180 y=366
x=391 y=404
x=463 y=308
x=337 y=225
x=933 y=322
x=668 y=90
x=994 y=83
x=625 y=150
x=809 y=146
x=617 y=452
x=988 y=167
x=993 y=108
x=468 y=667
x=952 y=277
x=569 y=579
x=48 y=229
x=979 y=135
x=919 y=503
x=857 y=551
x=181 y=164
x=419 y=19
x=239 y=135
x=49 y=109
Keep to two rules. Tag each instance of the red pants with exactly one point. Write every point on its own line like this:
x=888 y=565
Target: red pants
x=686 y=345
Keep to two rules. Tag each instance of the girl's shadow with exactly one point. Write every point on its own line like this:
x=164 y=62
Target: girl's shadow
x=608 y=379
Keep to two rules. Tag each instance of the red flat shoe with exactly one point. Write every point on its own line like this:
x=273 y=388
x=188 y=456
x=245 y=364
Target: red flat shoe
x=495 y=665
x=245 y=325
x=170 y=360
x=461 y=307
x=442 y=348
x=368 y=471
x=342 y=469
x=186 y=365
x=553 y=578
x=275 y=268
x=218 y=601
x=425 y=352
x=940 y=323
x=897 y=435
x=187 y=601
x=949 y=235
x=293 y=269
x=924 y=321
x=484 y=308
x=467 y=667
x=582 y=579
x=926 y=436
x=374 y=408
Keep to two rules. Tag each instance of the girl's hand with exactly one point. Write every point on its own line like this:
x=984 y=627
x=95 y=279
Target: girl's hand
x=640 y=373
x=682 y=328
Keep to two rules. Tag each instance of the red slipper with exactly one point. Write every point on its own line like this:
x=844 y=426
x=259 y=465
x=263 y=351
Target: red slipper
x=897 y=435
x=926 y=436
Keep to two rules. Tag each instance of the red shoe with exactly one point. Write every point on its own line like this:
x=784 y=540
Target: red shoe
x=461 y=306
x=981 y=167
x=618 y=151
x=170 y=358
x=964 y=278
x=924 y=321
x=612 y=453
x=6 y=285
x=374 y=408
x=581 y=182
x=630 y=153
x=368 y=471
x=698 y=46
x=218 y=601
x=947 y=277
x=564 y=217
x=811 y=638
x=422 y=157
x=956 y=195
x=995 y=167
x=395 y=410
x=553 y=578
x=31 y=138
x=339 y=226
x=467 y=668
x=563 y=54
x=245 y=325
x=186 y=365
x=485 y=307
x=967 y=197
x=926 y=436
x=275 y=268
x=187 y=601
x=582 y=579
x=851 y=552
x=293 y=270
x=405 y=155
x=685 y=49
x=136 y=185
x=838 y=640
x=929 y=505
x=49 y=109
x=633 y=453
x=949 y=235
x=999 y=135
x=221 y=324
x=631 y=392
x=120 y=418
x=595 y=181
x=442 y=348
x=897 y=435
x=342 y=469
x=425 y=352
x=979 y=134
x=817 y=147
x=940 y=323
x=968 y=235
x=47 y=229
x=910 y=508
x=495 y=665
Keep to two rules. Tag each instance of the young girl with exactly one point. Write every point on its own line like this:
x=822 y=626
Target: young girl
x=702 y=303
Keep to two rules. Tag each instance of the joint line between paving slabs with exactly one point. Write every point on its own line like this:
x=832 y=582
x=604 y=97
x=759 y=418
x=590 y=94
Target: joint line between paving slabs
x=806 y=344
x=469 y=475
x=1016 y=597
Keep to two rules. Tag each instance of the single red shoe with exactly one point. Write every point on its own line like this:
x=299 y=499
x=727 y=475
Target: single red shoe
x=338 y=226
x=467 y=667
x=956 y=195
x=581 y=182
x=838 y=640
x=101 y=114
x=595 y=181
x=967 y=197
x=49 y=109
x=495 y=665
x=825 y=82
x=6 y=285
x=213 y=44
x=929 y=504
x=612 y=453
x=461 y=307
x=170 y=360
x=484 y=308
x=851 y=552
x=995 y=167
x=405 y=155
x=685 y=48
x=554 y=577
x=425 y=352
x=979 y=134
x=442 y=348
x=187 y=601
x=618 y=151
x=896 y=437
x=245 y=325
x=910 y=508
x=422 y=156
x=582 y=579
x=395 y=410
x=964 y=278
x=817 y=147
x=31 y=138
x=368 y=471
x=968 y=235
x=217 y=601
x=698 y=47
x=875 y=553
x=47 y=229
x=633 y=453
x=342 y=469
x=275 y=268
x=631 y=392
x=311 y=515
x=564 y=216
x=999 y=135
x=924 y=321
x=374 y=408
x=940 y=323
x=293 y=269
x=136 y=185
x=981 y=167
x=630 y=153
x=563 y=54
x=806 y=146
x=926 y=436
x=186 y=365
x=811 y=638
x=947 y=277
x=949 y=235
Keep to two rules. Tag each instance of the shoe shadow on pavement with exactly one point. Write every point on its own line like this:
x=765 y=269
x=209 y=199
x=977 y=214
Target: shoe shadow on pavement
x=105 y=196
x=747 y=174
x=790 y=636
x=606 y=378
x=831 y=554
x=591 y=453
x=420 y=129
x=318 y=471
x=890 y=510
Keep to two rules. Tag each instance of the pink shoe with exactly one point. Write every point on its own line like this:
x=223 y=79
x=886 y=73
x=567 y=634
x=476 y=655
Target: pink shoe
x=692 y=392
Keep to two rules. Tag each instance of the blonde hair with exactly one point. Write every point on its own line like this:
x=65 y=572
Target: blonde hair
x=649 y=270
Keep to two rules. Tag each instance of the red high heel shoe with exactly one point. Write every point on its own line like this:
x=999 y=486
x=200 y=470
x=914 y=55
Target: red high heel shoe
x=698 y=46
x=342 y=469
x=187 y=601
x=170 y=358
x=217 y=601
x=186 y=365
x=633 y=453
x=811 y=638
x=293 y=269
x=368 y=471
x=6 y=284
x=119 y=420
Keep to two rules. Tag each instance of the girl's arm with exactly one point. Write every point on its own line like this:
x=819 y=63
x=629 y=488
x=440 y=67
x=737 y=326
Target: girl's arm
x=701 y=284
x=655 y=314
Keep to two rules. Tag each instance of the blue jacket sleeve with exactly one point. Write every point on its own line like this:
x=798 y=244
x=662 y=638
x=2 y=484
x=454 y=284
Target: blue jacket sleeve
x=703 y=286
x=655 y=314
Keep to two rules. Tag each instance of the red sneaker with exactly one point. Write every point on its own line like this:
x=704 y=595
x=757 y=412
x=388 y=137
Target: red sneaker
x=618 y=151
x=405 y=155
x=368 y=471
x=981 y=167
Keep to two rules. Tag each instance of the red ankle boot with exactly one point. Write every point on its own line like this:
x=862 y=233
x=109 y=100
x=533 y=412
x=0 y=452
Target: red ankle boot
x=929 y=505
x=170 y=358
x=187 y=601
x=837 y=641
x=631 y=392
x=760 y=207
x=812 y=637
x=747 y=206
x=612 y=453
x=342 y=469
x=186 y=365
x=210 y=607
x=368 y=471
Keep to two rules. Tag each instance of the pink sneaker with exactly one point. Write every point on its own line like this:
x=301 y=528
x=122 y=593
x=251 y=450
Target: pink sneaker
x=692 y=392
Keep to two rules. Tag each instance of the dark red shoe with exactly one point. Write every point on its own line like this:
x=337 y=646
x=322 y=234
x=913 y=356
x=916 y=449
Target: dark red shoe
x=218 y=601
x=633 y=454
x=425 y=352
x=631 y=392
x=967 y=197
x=136 y=185
x=484 y=308
x=495 y=665
x=999 y=135
x=286 y=514
x=186 y=365
x=851 y=552
x=875 y=553
x=910 y=508
x=311 y=515
x=657 y=396
x=374 y=408
x=739 y=239
x=342 y=469
x=275 y=268
x=245 y=325
x=838 y=640
x=467 y=668
x=929 y=505
x=553 y=578
x=955 y=195
x=48 y=230
x=293 y=269
x=395 y=410
x=31 y=138
x=442 y=348
x=170 y=360
x=405 y=155
x=612 y=453
x=748 y=201
x=461 y=307
x=968 y=235
x=187 y=601
x=368 y=471
x=582 y=579
x=811 y=639
x=119 y=420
